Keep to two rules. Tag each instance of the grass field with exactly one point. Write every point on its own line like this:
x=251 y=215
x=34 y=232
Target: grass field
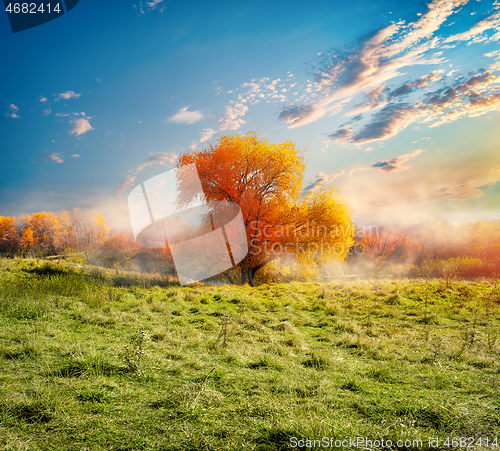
x=94 y=361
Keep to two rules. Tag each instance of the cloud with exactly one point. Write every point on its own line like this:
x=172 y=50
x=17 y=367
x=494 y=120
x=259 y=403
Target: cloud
x=319 y=181
x=183 y=116
x=374 y=100
x=206 y=134
x=465 y=99
x=75 y=155
x=43 y=99
x=300 y=114
x=47 y=112
x=476 y=107
x=81 y=126
x=342 y=135
x=472 y=98
x=496 y=170
x=377 y=59
x=453 y=97
x=374 y=60
x=364 y=75
x=124 y=184
x=164 y=159
x=457 y=192
x=387 y=123
x=490 y=23
x=407 y=88
x=13 y=111
x=168 y=159
x=393 y=165
x=251 y=93
x=232 y=119
x=54 y=157
x=67 y=95
x=149 y=5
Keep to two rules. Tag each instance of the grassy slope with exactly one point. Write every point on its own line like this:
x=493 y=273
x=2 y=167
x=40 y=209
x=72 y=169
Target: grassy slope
x=86 y=364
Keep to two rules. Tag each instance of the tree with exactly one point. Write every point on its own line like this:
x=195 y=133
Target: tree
x=49 y=233
x=387 y=244
x=88 y=228
x=9 y=239
x=265 y=180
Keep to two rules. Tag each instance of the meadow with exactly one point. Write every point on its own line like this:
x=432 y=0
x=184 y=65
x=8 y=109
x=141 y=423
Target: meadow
x=92 y=359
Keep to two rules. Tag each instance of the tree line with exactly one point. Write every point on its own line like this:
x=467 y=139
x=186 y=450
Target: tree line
x=438 y=248
x=52 y=233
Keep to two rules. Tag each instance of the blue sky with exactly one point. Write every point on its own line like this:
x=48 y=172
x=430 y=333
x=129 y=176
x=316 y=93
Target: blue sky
x=396 y=103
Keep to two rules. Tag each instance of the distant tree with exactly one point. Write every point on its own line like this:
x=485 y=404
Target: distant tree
x=388 y=243
x=88 y=228
x=9 y=238
x=47 y=233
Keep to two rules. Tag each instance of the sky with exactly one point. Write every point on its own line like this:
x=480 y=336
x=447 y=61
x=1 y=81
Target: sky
x=397 y=104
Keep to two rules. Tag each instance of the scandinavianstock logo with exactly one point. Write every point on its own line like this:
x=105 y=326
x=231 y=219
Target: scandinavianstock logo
x=204 y=238
x=25 y=15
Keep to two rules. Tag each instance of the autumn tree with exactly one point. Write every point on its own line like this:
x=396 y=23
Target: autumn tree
x=265 y=180
x=388 y=243
x=40 y=230
x=9 y=239
x=87 y=227
x=47 y=233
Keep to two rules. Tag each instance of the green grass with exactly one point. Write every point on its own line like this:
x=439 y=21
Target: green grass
x=94 y=361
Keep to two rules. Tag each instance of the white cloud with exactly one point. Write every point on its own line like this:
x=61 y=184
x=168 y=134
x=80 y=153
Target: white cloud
x=167 y=159
x=80 y=126
x=491 y=22
x=183 y=116
x=149 y=5
x=43 y=99
x=206 y=134
x=233 y=113
x=75 y=155
x=55 y=157
x=13 y=111
x=47 y=112
x=67 y=95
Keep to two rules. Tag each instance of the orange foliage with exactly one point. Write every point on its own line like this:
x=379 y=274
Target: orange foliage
x=9 y=239
x=474 y=246
x=265 y=180
x=49 y=233
x=388 y=243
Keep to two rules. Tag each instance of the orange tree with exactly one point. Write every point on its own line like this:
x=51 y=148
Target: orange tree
x=265 y=180
x=9 y=239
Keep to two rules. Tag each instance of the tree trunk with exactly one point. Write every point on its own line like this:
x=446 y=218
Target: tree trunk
x=243 y=277
x=251 y=272
x=250 y=275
